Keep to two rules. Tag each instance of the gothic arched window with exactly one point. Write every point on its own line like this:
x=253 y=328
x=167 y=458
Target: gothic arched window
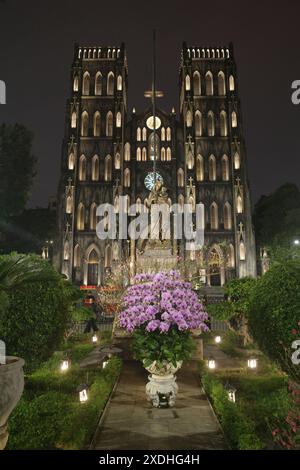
x=73 y=120
x=118 y=119
x=127 y=152
x=95 y=168
x=221 y=84
x=239 y=204
x=109 y=124
x=214 y=217
x=117 y=161
x=144 y=154
x=198 y=123
x=180 y=178
x=163 y=154
x=84 y=124
x=107 y=168
x=209 y=84
x=127 y=178
x=153 y=146
x=93 y=209
x=190 y=160
x=168 y=134
x=227 y=216
x=98 y=83
x=69 y=205
x=237 y=161
x=242 y=251
x=212 y=169
x=163 y=134
x=223 y=124
x=199 y=168
x=144 y=134
x=71 y=161
x=197 y=83
x=210 y=124
x=110 y=83
x=187 y=83
x=97 y=124
x=86 y=84
x=119 y=83
x=169 y=155
x=138 y=154
x=234 y=119
x=138 y=134
x=80 y=216
x=82 y=168
x=225 y=168
x=75 y=83
x=231 y=83
x=231 y=260
x=77 y=260
x=189 y=119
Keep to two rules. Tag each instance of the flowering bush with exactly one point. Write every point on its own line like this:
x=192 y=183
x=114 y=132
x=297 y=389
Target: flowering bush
x=161 y=309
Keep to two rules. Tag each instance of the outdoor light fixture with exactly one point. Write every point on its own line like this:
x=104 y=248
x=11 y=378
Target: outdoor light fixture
x=83 y=393
x=218 y=339
x=252 y=363
x=230 y=392
x=211 y=363
x=64 y=365
x=94 y=338
x=296 y=242
x=104 y=364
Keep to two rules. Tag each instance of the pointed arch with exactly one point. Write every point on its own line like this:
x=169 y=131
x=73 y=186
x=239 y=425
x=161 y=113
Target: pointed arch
x=109 y=124
x=98 y=84
x=107 y=256
x=209 y=84
x=80 y=216
x=138 y=134
x=212 y=168
x=163 y=134
x=231 y=83
x=163 y=154
x=198 y=123
x=84 y=124
x=138 y=203
x=190 y=160
x=225 y=168
x=118 y=119
x=237 y=161
x=93 y=210
x=127 y=178
x=144 y=154
x=169 y=134
x=66 y=251
x=189 y=119
x=242 y=249
x=181 y=201
x=144 y=134
x=200 y=168
x=227 y=216
x=197 y=83
x=119 y=83
x=75 y=83
x=169 y=154
x=110 y=83
x=86 y=84
x=95 y=168
x=231 y=257
x=239 y=204
x=187 y=83
x=77 y=257
x=71 y=161
x=97 y=124
x=107 y=168
x=221 y=84
x=180 y=178
x=82 y=168
x=127 y=152
x=139 y=154
x=223 y=124
x=234 y=122
x=69 y=205
x=210 y=124
x=117 y=161
x=73 y=120
x=214 y=216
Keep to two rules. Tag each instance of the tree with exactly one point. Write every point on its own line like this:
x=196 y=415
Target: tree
x=36 y=307
x=17 y=169
x=274 y=314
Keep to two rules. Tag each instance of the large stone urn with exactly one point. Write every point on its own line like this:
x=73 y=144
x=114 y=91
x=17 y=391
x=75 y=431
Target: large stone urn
x=162 y=388
x=11 y=389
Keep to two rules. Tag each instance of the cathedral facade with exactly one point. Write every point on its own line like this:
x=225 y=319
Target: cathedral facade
x=200 y=156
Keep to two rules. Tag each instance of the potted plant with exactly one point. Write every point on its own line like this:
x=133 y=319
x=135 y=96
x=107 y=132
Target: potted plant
x=12 y=385
x=161 y=311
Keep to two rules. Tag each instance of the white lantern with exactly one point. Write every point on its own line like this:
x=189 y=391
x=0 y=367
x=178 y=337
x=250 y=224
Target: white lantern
x=252 y=363
x=104 y=364
x=230 y=392
x=218 y=339
x=83 y=393
x=95 y=338
x=211 y=363
x=64 y=365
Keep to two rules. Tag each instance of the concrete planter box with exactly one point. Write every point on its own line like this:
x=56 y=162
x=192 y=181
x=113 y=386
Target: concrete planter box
x=11 y=389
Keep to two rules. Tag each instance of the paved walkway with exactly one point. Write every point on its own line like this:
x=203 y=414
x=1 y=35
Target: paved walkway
x=223 y=361
x=130 y=422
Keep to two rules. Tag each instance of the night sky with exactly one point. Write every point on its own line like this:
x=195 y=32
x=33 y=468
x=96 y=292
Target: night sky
x=36 y=51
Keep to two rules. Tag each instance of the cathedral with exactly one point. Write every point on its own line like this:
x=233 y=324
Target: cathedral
x=198 y=155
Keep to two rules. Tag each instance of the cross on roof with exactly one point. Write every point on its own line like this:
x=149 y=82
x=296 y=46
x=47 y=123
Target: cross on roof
x=191 y=181
x=241 y=227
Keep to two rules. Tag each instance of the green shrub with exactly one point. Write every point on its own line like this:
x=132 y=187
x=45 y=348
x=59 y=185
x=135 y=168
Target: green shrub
x=274 y=314
x=37 y=314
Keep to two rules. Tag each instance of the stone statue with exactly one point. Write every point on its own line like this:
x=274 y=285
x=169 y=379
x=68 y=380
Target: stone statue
x=158 y=194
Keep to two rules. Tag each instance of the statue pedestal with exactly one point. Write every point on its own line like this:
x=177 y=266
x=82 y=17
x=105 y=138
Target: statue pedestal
x=156 y=259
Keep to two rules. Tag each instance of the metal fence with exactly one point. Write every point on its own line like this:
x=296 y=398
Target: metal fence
x=79 y=327
x=218 y=325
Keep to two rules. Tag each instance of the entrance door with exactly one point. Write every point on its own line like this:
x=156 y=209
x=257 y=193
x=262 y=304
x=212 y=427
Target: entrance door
x=93 y=274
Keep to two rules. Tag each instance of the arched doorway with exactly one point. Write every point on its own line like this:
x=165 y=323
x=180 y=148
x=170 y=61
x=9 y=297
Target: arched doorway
x=93 y=268
x=216 y=270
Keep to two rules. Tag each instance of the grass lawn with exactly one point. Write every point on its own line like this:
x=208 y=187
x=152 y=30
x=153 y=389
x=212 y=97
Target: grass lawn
x=49 y=415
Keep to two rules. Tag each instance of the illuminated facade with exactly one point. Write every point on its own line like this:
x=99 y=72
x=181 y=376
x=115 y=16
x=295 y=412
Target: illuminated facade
x=200 y=156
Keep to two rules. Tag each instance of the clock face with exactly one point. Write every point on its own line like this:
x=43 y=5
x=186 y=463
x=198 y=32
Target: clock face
x=149 y=180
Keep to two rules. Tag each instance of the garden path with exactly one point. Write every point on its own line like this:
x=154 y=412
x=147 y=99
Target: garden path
x=223 y=361
x=129 y=421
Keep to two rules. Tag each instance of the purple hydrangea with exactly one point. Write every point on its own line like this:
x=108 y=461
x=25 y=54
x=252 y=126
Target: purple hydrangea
x=162 y=301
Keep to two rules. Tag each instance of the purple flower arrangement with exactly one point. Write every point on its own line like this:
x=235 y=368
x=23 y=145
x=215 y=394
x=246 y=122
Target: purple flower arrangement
x=161 y=302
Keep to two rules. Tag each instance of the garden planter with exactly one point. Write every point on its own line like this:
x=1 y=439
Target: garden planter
x=11 y=389
x=162 y=386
